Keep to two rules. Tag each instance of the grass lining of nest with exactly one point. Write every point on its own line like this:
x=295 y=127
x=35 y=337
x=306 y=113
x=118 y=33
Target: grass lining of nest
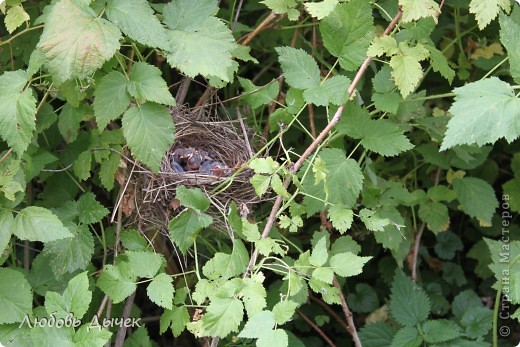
x=203 y=129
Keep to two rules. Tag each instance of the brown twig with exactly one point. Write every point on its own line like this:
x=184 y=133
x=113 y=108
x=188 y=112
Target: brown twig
x=329 y=310
x=317 y=328
x=348 y=315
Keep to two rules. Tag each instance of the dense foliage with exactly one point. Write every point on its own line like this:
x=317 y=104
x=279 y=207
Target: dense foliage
x=389 y=173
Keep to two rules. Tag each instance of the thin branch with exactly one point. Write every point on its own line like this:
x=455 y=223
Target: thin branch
x=348 y=315
x=317 y=328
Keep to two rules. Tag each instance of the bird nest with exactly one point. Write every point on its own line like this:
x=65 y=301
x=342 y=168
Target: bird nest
x=221 y=143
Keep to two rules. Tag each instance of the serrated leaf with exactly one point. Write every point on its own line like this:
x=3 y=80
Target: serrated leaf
x=483 y=112
x=111 y=98
x=257 y=96
x=15 y=296
x=78 y=44
x=331 y=91
x=75 y=299
x=149 y=131
x=409 y=304
x=487 y=10
x=257 y=325
x=176 y=319
x=509 y=28
x=145 y=264
x=71 y=253
x=416 y=9
x=147 y=84
x=284 y=310
x=36 y=223
x=223 y=316
x=347 y=32
x=160 y=290
x=193 y=198
x=347 y=264
x=436 y=216
x=118 y=281
x=198 y=42
x=476 y=197
x=15 y=17
x=136 y=19
x=299 y=68
x=321 y=9
x=90 y=210
x=18 y=107
x=341 y=217
x=185 y=227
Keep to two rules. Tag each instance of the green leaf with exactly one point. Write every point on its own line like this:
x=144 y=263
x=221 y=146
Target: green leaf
x=176 y=319
x=347 y=264
x=331 y=91
x=118 y=281
x=347 y=32
x=341 y=217
x=416 y=9
x=409 y=304
x=146 y=84
x=198 y=42
x=436 y=216
x=406 y=69
x=440 y=63
x=223 y=316
x=90 y=210
x=284 y=310
x=380 y=136
x=273 y=338
x=185 y=227
x=483 y=112
x=321 y=9
x=15 y=17
x=78 y=44
x=149 y=131
x=75 y=299
x=509 y=28
x=476 y=197
x=487 y=10
x=299 y=68
x=36 y=223
x=193 y=198
x=136 y=19
x=160 y=290
x=407 y=337
x=18 y=107
x=257 y=96
x=111 y=98
x=15 y=296
x=257 y=325
x=145 y=264
x=71 y=253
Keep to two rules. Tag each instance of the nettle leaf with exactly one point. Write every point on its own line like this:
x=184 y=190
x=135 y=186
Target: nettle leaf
x=409 y=304
x=487 y=10
x=331 y=91
x=198 y=42
x=15 y=17
x=483 y=112
x=136 y=19
x=90 y=210
x=347 y=264
x=406 y=69
x=15 y=296
x=77 y=44
x=381 y=136
x=146 y=84
x=118 y=281
x=186 y=226
x=321 y=9
x=223 y=316
x=18 y=107
x=161 y=290
x=436 y=216
x=149 y=131
x=111 y=98
x=300 y=69
x=416 y=9
x=36 y=223
x=509 y=28
x=347 y=32
x=477 y=198
x=257 y=96
x=71 y=253
x=75 y=299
